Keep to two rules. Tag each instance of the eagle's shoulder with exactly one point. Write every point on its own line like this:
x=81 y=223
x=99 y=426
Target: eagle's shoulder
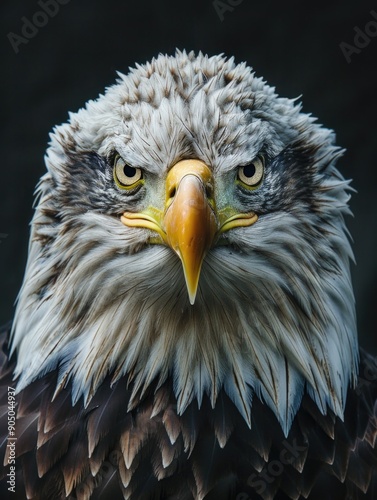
x=347 y=448
x=119 y=448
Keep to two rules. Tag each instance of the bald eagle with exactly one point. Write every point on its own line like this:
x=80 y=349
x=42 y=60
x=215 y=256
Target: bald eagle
x=186 y=325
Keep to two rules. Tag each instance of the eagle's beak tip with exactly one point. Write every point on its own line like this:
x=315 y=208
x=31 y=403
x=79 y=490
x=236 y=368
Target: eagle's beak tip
x=192 y=298
x=191 y=274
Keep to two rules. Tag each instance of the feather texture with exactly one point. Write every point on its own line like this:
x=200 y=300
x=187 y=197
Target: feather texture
x=127 y=389
x=147 y=455
x=274 y=315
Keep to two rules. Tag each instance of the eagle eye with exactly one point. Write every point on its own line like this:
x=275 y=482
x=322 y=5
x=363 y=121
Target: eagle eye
x=126 y=176
x=251 y=175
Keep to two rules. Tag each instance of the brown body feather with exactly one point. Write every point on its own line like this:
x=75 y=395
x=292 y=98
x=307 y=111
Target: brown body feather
x=106 y=451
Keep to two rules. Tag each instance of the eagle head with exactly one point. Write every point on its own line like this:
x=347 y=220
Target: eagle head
x=191 y=226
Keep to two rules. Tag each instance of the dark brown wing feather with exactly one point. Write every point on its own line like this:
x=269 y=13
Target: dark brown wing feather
x=104 y=452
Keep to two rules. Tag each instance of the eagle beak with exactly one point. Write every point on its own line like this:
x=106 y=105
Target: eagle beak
x=189 y=223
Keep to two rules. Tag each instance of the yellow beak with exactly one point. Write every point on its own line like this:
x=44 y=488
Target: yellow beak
x=189 y=224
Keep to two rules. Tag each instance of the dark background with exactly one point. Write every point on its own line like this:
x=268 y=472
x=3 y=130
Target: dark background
x=295 y=46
